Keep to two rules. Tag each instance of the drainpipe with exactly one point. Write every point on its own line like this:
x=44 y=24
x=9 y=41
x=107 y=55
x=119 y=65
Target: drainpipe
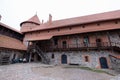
x=109 y=38
x=29 y=58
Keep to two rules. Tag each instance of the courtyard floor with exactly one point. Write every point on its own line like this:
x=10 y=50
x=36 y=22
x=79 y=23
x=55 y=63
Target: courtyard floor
x=38 y=71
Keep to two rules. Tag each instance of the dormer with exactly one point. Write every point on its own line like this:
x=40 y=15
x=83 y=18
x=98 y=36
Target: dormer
x=30 y=24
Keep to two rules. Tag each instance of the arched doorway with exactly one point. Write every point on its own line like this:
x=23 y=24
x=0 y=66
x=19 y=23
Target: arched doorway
x=64 y=59
x=103 y=62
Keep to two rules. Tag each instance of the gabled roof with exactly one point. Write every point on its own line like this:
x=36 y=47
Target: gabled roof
x=11 y=43
x=33 y=19
x=8 y=27
x=78 y=20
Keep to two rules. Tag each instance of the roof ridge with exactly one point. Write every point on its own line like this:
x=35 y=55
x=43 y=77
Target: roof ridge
x=97 y=17
x=99 y=13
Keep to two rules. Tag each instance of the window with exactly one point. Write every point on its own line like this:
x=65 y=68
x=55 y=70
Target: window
x=116 y=22
x=86 y=41
x=98 y=24
x=58 y=29
x=83 y=26
x=86 y=58
x=98 y=42
x=70 y=28
x=64 y=44
x=53 y=56
x=48 y=31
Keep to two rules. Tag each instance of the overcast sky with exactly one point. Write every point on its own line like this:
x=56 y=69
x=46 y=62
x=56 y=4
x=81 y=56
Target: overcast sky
x=14 y=12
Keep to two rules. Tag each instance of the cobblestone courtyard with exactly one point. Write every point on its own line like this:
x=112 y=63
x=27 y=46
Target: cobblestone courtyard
x=38 y=71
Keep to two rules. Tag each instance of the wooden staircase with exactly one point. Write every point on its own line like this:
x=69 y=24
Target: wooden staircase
x=115 y=62
x=116 y=46
x=35 y=49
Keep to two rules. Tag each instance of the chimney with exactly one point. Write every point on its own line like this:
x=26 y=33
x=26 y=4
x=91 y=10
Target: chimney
x=42 y=21
x=0 y=17
x=50 y=19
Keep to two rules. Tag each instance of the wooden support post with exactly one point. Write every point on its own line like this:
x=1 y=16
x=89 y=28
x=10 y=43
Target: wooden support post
x=30 y=57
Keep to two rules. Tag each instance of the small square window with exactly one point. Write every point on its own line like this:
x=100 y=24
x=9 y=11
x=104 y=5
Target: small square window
x=86 y=58
x=48 y=31
x=58 y=29
x=116 y=22
x=98 y=24
x=83 y=26
x=70 y=28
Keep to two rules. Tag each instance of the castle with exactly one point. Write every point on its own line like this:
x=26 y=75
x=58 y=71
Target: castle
x=91 y=41
x=86 y=40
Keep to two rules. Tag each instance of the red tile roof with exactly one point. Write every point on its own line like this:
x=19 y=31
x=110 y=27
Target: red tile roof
x=78 y=20
x=8 y=27
x=11 y=43
x=74 y=31
x=34 y=19
x=43 y=37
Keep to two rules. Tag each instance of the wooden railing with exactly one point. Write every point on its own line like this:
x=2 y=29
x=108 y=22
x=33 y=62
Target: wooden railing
x=81 y=46
x=104 y=44
x=78 y=46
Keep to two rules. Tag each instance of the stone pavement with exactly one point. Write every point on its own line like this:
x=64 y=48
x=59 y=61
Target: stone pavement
x=38 y=71
x=116 y=78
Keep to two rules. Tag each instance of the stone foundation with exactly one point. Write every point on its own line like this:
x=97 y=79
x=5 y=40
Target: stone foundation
x=13 y=54
x=83 y=58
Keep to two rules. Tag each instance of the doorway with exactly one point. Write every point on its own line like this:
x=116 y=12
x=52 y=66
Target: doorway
x=64 y=59
x=64 y=44
x=103 y=63
x=36 y=58
x=98 y=42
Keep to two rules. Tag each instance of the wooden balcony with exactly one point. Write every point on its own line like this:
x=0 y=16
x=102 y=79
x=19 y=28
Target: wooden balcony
x=81 y=46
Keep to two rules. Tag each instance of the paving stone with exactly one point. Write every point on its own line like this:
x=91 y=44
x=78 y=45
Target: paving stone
x=38 y=71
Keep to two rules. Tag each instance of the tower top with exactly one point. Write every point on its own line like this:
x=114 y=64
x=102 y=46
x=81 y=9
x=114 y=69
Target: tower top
x=33 y=19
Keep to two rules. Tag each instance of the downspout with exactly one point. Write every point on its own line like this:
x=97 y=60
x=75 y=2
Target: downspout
x=109 y=39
